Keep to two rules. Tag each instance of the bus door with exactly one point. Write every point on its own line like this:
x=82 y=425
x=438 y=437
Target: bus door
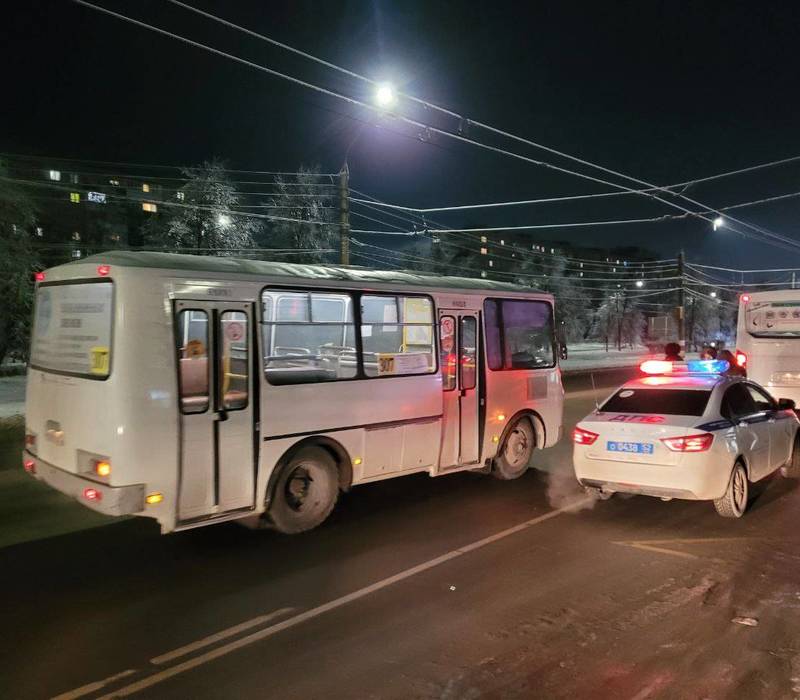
x=214 y=343
x=458 y=335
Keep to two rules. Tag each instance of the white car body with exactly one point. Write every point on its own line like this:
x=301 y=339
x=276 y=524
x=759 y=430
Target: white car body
x=762 y=440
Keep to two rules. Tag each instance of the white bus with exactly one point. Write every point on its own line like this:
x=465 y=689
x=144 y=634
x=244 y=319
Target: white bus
x=196 y=390
x=768 y=341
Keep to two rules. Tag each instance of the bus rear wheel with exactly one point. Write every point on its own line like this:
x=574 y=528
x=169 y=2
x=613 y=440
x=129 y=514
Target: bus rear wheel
x=305 y=492
x=515 y=451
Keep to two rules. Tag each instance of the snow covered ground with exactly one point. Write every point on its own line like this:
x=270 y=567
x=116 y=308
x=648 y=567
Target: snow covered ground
x=594 y=356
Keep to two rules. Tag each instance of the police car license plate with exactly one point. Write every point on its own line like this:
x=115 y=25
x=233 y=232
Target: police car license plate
x=642 y=448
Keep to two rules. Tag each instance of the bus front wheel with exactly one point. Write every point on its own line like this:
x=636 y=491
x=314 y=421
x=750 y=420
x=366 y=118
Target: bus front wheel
x=305 y=492
x=515 y=451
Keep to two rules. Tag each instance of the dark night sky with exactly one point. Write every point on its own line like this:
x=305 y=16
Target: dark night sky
x=666 y=91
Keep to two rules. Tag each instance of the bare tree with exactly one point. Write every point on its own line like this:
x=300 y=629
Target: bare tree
x=206 y=219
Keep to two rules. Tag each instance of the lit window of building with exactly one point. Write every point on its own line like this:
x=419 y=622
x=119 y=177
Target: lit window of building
x=552 y=251
x=114 y=182
x=55 y=175
x=180 y=196
x=75 y=197
x=145 y=187
x=73 y=178
x=76 y=253
x=483 y=251
x=581 y=265
x=491 y=263
x=115 y=237
x=149 y=206
x=502 y=242
x=76 y=236
x=483 y=273
x=39 y=231
x=483 y=239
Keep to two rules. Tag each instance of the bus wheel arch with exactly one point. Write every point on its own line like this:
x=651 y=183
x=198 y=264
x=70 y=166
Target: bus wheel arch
x=524 y=432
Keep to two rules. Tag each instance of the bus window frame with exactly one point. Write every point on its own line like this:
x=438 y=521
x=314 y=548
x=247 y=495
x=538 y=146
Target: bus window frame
x=210 y=370
x=355 y=300
x=502 y=333
x=80 y=280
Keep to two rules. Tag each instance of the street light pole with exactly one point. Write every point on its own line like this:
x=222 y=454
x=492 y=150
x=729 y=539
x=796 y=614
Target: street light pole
x=681 y=304
x=344 y=215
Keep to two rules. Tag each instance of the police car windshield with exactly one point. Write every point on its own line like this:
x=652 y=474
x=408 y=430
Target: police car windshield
x=676 y=402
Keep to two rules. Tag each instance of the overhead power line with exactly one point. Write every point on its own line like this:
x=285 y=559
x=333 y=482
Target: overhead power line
x=464 y=120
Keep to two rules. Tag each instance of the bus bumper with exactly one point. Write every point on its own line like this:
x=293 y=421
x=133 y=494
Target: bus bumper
x=104 y=498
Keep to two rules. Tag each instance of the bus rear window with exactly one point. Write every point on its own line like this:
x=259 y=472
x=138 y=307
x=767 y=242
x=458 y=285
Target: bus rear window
x=669 y=402
x=72 y=329
x=773 y=319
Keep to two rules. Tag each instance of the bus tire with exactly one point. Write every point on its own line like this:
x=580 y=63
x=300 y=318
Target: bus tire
x=515 y=450
x=733 y=503
x=305 y=492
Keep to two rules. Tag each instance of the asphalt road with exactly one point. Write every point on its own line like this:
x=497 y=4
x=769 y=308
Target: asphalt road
x=458 y=587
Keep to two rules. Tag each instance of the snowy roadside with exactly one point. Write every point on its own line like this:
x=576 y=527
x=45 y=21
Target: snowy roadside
x=586 y=356
x=12 y=396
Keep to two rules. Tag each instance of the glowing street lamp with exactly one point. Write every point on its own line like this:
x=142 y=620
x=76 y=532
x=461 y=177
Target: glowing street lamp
x=385 y=96
x=713 y=295
x=640 y=283
x=718 y=222
x=223 y=220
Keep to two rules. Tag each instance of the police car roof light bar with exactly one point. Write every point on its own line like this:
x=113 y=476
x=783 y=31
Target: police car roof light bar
x=689 y=367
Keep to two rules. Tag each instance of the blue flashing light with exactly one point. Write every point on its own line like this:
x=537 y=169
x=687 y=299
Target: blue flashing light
x=707 y=366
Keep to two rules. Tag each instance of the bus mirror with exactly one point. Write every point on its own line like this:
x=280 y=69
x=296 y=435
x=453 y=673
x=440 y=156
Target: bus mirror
x=562 y=351
x=785 y=405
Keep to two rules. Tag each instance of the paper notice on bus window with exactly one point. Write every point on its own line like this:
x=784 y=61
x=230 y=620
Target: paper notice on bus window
x=72 y=328
x=403 y=363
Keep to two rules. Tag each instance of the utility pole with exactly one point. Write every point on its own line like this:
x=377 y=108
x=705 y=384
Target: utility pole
x=344 y=215
x=619 y=325
x=681 y=304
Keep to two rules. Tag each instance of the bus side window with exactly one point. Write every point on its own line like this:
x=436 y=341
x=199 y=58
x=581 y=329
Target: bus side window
x=193 y=360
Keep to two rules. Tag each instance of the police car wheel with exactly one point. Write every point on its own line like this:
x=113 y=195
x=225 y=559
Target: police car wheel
x=734 y=503
x=791 y=470
x=515 y=451
x=305 y=492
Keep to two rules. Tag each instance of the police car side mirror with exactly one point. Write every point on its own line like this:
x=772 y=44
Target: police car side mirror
x=785 y=405
x=562 y=351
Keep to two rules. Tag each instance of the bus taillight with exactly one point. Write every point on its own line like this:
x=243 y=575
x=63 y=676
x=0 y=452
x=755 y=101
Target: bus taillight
x=741 y=359
x=92 y=494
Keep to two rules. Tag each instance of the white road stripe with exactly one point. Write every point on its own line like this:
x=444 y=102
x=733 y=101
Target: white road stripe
x=332 y=605
x=93 y=687
x=219 y=636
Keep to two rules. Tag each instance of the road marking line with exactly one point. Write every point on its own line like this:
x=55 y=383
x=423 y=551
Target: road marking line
x=93 y=687
x=219 y=636
x=651 y=545
x=332 y=605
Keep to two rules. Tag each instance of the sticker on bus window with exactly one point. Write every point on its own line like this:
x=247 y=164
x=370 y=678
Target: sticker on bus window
x=385 y=363
x=98 y=360
x=405 y=363
x=234 y=331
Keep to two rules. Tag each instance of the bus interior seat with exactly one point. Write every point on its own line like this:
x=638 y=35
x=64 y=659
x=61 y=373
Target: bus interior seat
x=194 y=381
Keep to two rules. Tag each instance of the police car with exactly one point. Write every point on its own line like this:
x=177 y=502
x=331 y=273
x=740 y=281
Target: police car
x=688 y=431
